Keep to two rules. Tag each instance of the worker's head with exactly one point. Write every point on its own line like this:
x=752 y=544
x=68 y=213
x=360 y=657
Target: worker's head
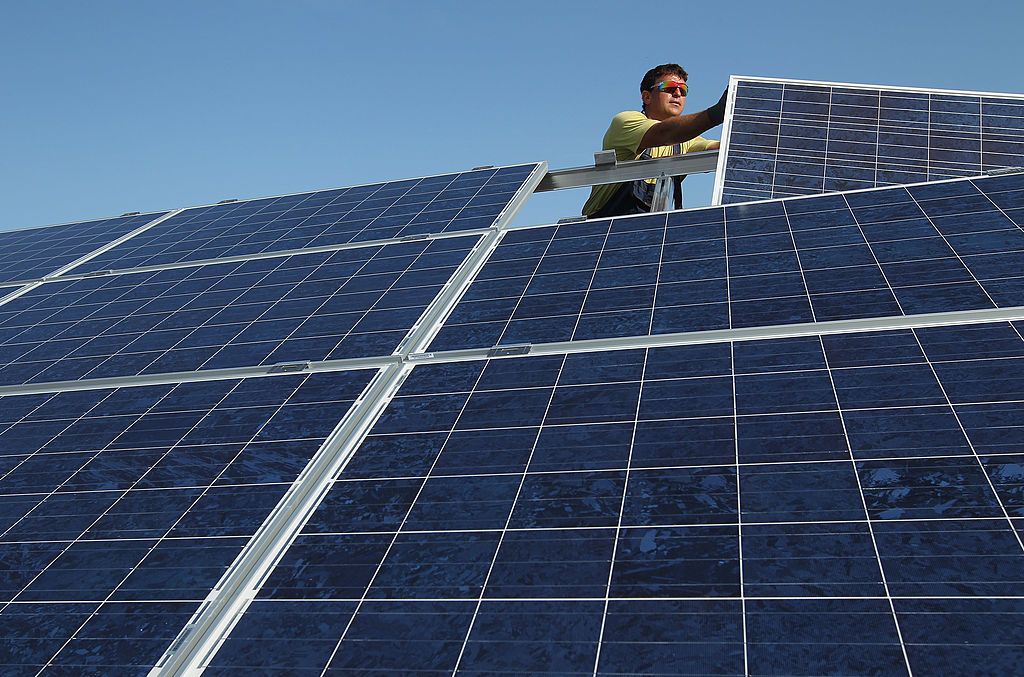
x=661 y=93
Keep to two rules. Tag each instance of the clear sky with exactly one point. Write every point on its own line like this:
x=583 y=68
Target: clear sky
x=108 y=107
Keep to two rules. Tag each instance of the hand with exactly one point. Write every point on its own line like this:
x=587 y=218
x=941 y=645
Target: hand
x=717 y=112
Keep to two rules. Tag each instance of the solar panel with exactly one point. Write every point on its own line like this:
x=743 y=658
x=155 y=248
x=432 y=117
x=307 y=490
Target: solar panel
x=121 y=508
x=649 y=510
x=650 y=503
x=37 y=252
x=939 y=247
x=791 y=137
x=347 y=303
x=124 y=509
x=436 y=204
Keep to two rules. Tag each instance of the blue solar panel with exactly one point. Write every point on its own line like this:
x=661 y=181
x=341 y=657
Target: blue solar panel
x=947 y=246
x=35 y=252
x=349 y=303
x=435 y=204
x=791 y=138
x=120 y=509
x=641 y=511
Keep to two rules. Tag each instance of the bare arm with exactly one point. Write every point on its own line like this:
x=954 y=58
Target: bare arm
x=684 y=127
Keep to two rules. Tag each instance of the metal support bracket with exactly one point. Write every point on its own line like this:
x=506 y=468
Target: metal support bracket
x=508 y=351
x=287 y=367
x=418 y=357
x=620 y=172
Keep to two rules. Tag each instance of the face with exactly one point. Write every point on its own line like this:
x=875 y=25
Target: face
x=663 y=105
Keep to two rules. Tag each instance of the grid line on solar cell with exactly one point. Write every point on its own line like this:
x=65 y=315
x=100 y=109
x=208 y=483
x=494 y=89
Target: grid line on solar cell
x=36 y=252
x=945 y=247
x=347 y=304
x=864 y=474
x=467 y=201
x=126 y=505
x=790 y=138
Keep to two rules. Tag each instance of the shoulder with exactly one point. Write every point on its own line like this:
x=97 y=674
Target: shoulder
x=629 y=117
x=630 y=122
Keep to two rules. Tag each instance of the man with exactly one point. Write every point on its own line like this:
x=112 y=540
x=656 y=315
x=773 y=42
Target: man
x=659 y=130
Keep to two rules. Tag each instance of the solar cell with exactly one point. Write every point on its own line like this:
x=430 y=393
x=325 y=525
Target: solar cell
x=347 y=303
x=939 y=247
x=435 y=204
x=36 y=252
x=789 y=137
x=637 y=510
x=121 y=508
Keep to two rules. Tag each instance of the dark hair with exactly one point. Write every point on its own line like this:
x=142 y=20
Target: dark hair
x=651 y=77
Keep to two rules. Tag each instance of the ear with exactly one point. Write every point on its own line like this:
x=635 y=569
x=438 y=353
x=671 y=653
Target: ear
x=645 y=96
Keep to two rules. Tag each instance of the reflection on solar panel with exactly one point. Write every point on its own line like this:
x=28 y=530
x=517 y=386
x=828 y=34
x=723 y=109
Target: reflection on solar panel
x=436 y=204
x=120 y=509
x=37 y=252
x=799 y=138
x=641 y=511
x=949 y=246
x=348 y=303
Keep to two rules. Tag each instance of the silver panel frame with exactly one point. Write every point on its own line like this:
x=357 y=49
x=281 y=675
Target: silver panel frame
x=199 y=640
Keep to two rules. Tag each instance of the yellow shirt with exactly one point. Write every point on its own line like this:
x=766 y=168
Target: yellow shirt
x=623 y=136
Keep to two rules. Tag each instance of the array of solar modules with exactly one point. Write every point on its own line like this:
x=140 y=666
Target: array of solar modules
x=39 y=252
x=814 y=505
x=146 y=435
x=793 y=137
x=940 y=247
x=331 y=305
x=121 y=508
x=700 y=464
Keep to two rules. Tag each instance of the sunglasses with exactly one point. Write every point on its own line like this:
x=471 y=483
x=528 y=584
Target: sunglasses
x=671 y=87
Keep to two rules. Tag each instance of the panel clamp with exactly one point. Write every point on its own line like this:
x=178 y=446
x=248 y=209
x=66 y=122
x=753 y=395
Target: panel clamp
x=571 y=219
x=604 y=157
x=131 y=214
x=99 y=273
x=508 y=351
x=229 y=200
x=417 y=357
x=476 y=169
x=413 y=238
x=288 y=367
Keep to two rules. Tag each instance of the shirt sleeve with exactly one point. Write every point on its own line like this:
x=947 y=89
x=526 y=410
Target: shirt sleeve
x=625 y=133
x=696 y=144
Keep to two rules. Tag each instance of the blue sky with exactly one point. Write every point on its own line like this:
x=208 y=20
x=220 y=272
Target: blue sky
x=137 y=106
